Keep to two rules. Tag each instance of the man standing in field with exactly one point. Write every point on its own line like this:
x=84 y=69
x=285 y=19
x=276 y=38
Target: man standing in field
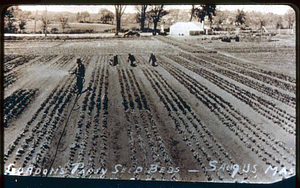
x=80 y=74
x=131 y=58
x=114 y=61
x=153 y=59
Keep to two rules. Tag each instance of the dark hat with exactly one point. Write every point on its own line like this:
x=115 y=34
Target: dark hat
x=78 y=60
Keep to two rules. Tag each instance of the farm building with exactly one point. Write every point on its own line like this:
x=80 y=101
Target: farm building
x=187 y=28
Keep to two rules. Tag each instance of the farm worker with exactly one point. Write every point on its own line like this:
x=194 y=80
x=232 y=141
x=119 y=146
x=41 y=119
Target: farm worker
x=114 y=61
x=131 y=58
x=80 y=73
x=153 y=59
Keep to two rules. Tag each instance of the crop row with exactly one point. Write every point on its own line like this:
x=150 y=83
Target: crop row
x=64 y=60
x=266 y=79
x=47 y=58
x=41 y=60
x=83 y=138
x=145 y=133
x=100 y=130
x=127 y=98
x=274 y=93
x=15 y=104
x=10 y=79
x=10 y=57
x=8 y=66
x=12 y=76
x=81 y=135
x=184 y=46
x=203 y=144
x=254 y=68
x=33 y=118
x=103 y=130
x=45 y=106
x=149 y=127
x=253 y=49
x=233 y=61
x=260 y=105
x=86 y=60
x=183 y=128
x=95 y=124
x=36 y=144
x=47 y=130
x=134 y=129
x=83 y=125
x=249 y=133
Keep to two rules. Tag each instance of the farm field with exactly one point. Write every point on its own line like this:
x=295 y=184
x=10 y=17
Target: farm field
x=200 y=115
x=75 y=27
x=279 y=55
x=95 y=27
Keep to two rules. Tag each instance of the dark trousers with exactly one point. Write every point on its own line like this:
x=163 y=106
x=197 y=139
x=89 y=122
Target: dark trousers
x=153 y=63
x=79 y=84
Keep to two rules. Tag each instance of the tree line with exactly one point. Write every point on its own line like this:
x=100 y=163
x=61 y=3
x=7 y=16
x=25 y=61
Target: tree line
x=15 y=19
x=253 y=19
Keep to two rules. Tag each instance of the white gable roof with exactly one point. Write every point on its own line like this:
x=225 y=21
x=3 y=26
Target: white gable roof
x=188 y=25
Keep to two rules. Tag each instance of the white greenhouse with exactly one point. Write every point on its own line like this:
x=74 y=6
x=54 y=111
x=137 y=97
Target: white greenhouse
x=187 y=28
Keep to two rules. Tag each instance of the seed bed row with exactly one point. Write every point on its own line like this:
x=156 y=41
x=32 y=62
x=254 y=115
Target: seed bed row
x=266 y=79
x=260 y=105
x=274 y=93
x=228 y=119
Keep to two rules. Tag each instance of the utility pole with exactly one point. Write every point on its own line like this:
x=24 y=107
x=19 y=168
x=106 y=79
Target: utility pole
x=46 y=23
x=35 y=21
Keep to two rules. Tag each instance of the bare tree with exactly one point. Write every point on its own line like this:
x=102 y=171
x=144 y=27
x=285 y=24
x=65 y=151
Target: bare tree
x=205 y=10
x=289 y=16
x=22 y=17
x=119 y=12
x=263 y=21
x=63 y=22
x=279 y=24
x=155 y=13
x=141 y=15
x=45 y=23
x=220 y=18
x=240 y=18
x=22 y=25
x=193 y=9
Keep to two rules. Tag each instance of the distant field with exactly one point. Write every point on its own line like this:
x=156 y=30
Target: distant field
x=72 y=26
x=278 y=55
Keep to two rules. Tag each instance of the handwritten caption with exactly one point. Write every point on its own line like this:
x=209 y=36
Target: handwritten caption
x=79 y=169
x=245 y=169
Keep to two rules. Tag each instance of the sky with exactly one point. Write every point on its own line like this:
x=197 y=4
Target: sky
x=277 y=9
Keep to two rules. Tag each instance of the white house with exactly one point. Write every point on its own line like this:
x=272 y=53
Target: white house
x=186 y=28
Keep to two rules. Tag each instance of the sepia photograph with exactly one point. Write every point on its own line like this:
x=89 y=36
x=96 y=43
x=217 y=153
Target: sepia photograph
x=189 y=93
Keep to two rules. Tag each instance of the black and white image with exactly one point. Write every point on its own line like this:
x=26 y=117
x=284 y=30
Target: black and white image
x=201 y=93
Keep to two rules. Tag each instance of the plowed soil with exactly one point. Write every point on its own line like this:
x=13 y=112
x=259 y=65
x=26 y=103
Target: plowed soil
x=198 y=116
